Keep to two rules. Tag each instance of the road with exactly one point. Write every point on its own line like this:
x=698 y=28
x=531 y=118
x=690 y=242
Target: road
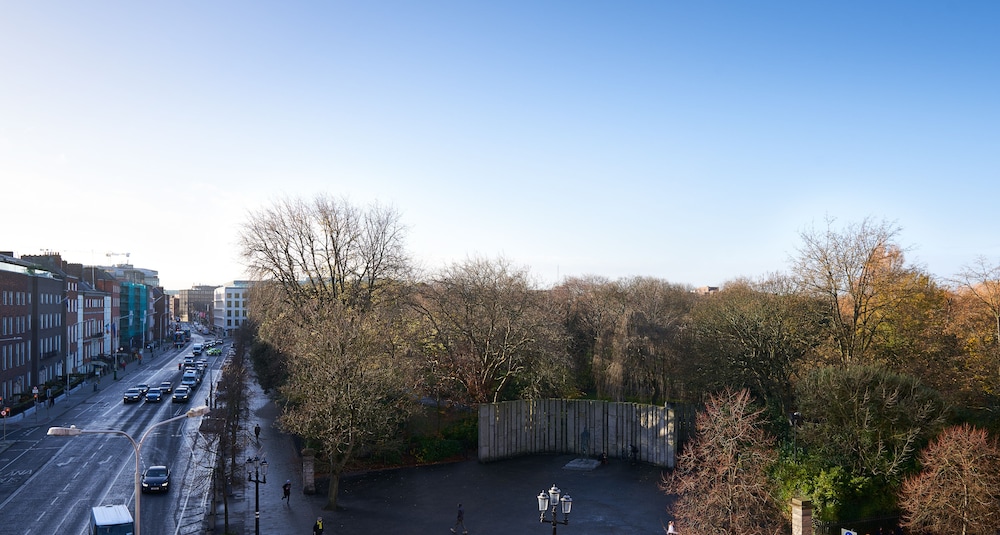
x=54 y=481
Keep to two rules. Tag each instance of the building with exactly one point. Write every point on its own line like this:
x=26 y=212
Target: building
x=196 y=304
x=230 y=306
x=33 y=335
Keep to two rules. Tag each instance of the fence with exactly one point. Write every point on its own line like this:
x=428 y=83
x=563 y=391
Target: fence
x=584 y=427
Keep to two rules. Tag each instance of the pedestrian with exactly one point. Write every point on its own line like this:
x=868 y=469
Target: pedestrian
x=671 y=528
x=286 y=490
x=318 y=526
x=460 y=521
x=256 y=431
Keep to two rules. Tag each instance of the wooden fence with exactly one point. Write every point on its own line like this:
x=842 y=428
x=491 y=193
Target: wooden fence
x=584 y=427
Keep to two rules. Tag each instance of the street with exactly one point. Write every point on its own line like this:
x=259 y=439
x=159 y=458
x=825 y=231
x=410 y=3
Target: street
x=54 y=481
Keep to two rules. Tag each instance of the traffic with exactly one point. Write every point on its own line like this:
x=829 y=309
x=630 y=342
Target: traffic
x=59 y=480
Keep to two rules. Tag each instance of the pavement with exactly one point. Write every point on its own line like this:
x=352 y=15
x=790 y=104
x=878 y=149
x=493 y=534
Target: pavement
x=498 y=497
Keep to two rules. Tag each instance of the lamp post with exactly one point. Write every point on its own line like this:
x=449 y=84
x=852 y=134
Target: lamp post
x=258 y=476
x=794 y=420
x=73 y=431
x=551 y=498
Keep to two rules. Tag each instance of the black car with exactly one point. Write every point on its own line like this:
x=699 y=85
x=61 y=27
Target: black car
x=182 y=394
x=166 y=387
x=132 y=395
x=143 y=387
x=153 y=395
x=156 y=479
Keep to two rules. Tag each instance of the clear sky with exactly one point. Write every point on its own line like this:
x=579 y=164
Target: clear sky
x=688 y=141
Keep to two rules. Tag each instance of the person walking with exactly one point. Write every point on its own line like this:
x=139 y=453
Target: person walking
x=256 y=432
x=318 y=526
x=671 y=529
x=460 y=521
x=286 y=490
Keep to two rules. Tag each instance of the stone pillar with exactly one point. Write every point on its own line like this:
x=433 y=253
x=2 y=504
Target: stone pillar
x=802 y=523
x=309 y=472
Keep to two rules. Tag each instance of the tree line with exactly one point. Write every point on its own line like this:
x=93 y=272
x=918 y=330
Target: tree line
x=876 y=356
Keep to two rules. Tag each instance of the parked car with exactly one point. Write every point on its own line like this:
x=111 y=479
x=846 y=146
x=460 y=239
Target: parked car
x=132 y=395
x=182 y=394
x=153 y=395
x=156 y=479
x=166 y=387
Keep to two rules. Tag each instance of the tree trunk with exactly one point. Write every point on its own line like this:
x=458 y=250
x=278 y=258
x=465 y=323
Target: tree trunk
x=332 y=491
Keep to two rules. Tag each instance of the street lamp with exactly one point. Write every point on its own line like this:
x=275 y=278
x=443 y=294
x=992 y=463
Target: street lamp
x=73 y=431
x=551 y=498
x=794 y=420
x=259 y=472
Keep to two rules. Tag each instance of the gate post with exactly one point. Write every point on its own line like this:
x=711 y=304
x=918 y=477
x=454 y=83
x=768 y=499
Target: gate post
x=801 y=517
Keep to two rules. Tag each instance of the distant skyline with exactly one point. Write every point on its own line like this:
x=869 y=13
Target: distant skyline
x=687 y=141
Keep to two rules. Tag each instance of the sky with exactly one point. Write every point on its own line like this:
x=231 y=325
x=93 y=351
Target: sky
x=688 y=141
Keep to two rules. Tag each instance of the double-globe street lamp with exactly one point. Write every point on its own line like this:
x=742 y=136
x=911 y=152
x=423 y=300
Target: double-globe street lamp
x=258 y=476
x=73 y=431
x=551 y=498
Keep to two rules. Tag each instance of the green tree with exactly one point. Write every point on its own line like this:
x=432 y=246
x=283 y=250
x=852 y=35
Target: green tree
x=870 y=422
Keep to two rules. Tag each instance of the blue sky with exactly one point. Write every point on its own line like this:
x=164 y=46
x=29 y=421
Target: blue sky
x=688 y=141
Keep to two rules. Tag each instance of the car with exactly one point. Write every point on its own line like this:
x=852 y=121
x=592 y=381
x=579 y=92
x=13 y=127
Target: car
x=153 y=395
x=143 y=387
x=182 y=394
x=132 y=395
x=156 y=479
x=166 y=387
x=214 y=352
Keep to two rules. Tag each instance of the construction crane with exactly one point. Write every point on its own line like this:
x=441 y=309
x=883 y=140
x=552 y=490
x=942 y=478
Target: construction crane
x=126 y=255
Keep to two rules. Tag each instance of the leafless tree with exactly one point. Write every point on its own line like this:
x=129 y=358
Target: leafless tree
x=721 y=477
x=851 y=270
x=494 y=331
x=982 y=280
x=332 y=278
x=754 y=333
x=958 y=490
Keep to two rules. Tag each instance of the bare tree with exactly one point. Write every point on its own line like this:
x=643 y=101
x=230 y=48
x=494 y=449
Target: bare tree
x=982 y=280
x=347 y=391
x=754 y=334
x=958 y=490
x=721 y=477
x=852 y=271
x=332 y=279
x=495 y=331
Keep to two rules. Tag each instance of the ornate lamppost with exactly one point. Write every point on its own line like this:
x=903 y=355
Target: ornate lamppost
x=552 y=499
x=258 y=476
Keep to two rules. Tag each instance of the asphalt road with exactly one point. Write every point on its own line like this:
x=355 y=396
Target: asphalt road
x=48 y=484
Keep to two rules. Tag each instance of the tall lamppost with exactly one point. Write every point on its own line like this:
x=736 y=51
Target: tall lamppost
x=73 y=431
x=795 y=420
x=551 y=498
x=258 y=476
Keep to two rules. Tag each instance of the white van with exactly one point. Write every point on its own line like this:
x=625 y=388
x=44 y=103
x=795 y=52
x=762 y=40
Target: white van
x=196 y=349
